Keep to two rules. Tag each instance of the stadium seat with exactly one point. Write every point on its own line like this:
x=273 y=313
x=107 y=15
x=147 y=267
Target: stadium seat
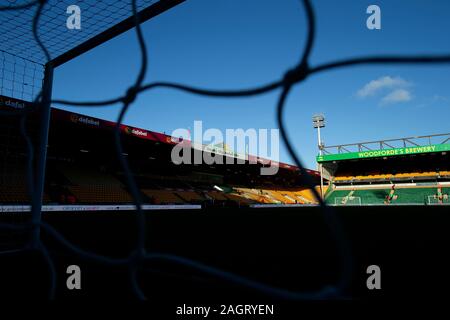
x=239 y=199
x=163 y=196
x=191 y=196
x=217 y=195
x=13 y=187
x=100 y=194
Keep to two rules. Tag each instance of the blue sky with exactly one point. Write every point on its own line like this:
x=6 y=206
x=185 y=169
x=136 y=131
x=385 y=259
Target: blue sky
x=231 y=44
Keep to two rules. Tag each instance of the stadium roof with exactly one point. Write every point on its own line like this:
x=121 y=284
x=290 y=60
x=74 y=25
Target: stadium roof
x=85 y=121
x=387 y=148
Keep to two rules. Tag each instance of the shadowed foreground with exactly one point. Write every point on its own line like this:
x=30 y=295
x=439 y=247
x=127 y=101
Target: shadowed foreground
x=285 y=247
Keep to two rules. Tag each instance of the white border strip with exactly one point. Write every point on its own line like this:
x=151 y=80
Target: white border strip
x=75 y=208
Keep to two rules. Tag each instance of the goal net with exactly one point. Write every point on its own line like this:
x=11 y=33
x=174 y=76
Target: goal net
x=435 y=200
x=349 y=200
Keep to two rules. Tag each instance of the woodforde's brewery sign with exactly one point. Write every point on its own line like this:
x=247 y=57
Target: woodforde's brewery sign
x=385 y=152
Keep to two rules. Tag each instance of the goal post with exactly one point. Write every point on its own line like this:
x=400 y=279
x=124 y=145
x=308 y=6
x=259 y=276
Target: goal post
x=349 y=200
x=435 y=200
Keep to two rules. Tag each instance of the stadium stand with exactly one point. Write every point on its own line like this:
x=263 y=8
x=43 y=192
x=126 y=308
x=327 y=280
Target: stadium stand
x=416 y=168
x=217 y=196
x=240 y=200
x=162 y=196
x=13 y=182
x=278 y=195
x=13 y=194
x=99 y=194
x=83 y=169
x=90 y=186
x=191 y=196
x=415 y=175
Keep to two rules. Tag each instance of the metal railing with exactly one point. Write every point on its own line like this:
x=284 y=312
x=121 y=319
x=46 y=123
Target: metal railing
x=388 y=144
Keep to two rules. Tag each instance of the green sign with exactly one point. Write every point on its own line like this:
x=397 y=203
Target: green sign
x=384 y=152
